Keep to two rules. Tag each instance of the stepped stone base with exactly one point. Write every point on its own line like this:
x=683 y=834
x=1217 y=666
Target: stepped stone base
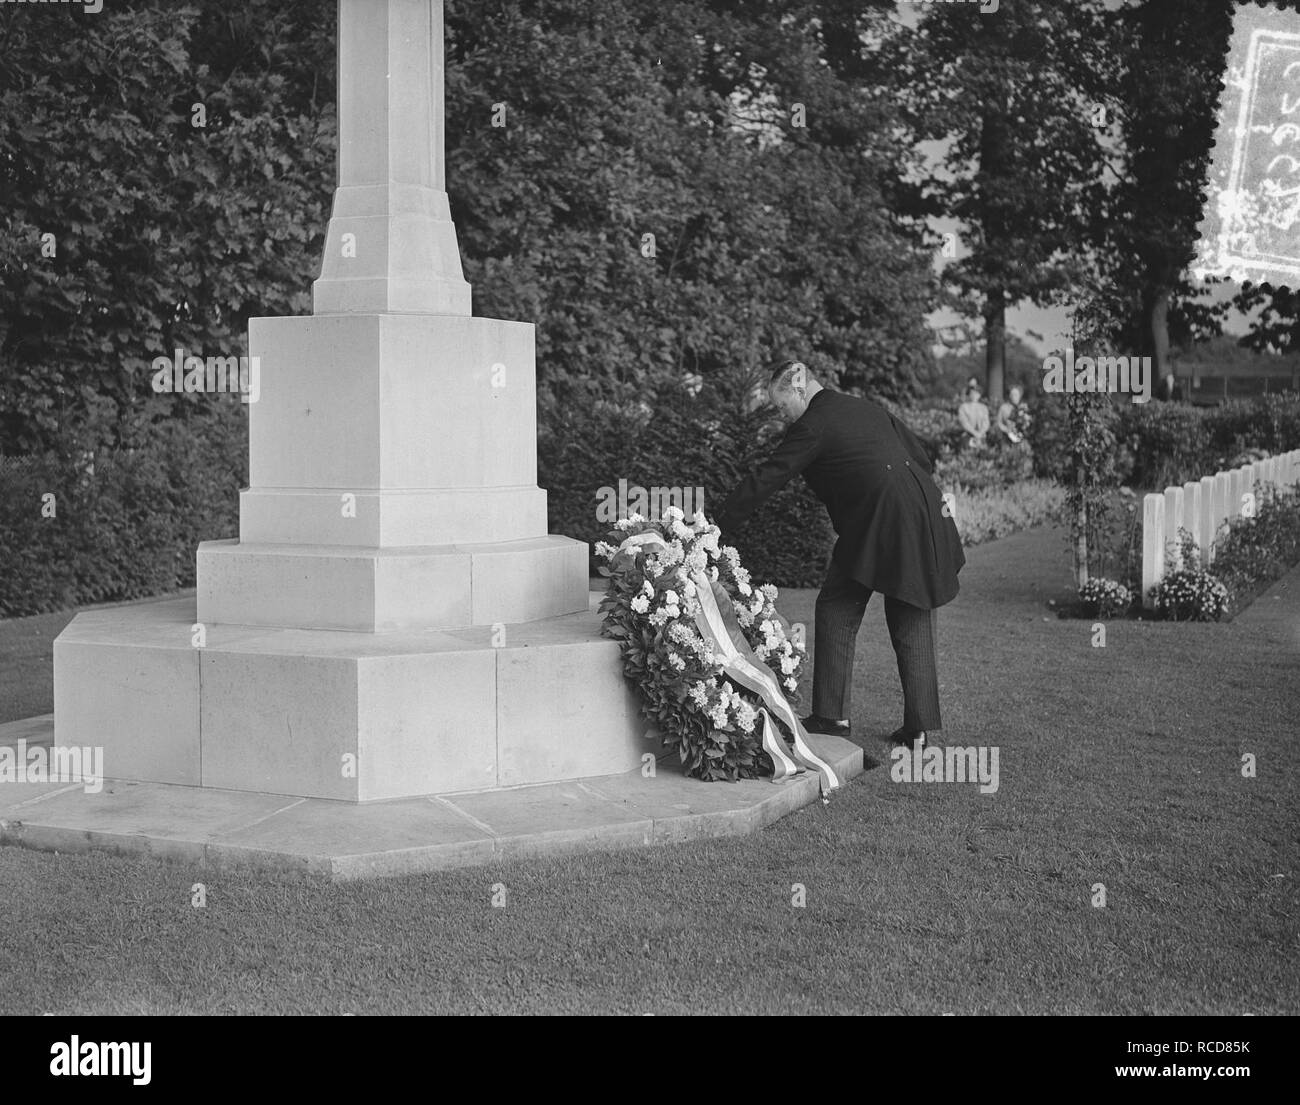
x=349 y=716
x=379 y=590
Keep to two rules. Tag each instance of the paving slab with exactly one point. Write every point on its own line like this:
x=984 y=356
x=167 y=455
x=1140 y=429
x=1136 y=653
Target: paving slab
x=217 y=829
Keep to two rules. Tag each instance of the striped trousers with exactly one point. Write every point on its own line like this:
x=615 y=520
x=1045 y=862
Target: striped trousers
x=841 y=605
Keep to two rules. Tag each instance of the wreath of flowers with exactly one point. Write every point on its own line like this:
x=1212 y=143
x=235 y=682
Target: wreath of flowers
x=650 y=607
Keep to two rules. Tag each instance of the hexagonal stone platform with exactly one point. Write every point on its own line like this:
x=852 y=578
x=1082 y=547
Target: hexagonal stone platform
x=222 y=829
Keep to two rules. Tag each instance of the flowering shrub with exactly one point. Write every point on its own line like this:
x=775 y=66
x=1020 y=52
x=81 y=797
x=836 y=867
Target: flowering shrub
x=1257 y=550
x=1189 y=593
x=1105 y=597
x=650 y=608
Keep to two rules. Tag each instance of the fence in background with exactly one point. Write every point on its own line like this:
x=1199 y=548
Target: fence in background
x=1201 y=507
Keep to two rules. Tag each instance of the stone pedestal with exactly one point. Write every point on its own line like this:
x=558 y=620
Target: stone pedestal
x=344 y=715
x=394 y=619
x=393 y=481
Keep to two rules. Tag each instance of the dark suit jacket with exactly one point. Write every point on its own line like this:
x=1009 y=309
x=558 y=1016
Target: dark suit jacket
x=874 y=477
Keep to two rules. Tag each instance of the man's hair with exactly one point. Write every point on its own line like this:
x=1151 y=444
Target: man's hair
x=785 y=373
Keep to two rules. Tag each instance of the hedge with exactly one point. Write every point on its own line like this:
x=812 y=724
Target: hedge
x=583 y=451
x=70 y=538
x=1164 y=444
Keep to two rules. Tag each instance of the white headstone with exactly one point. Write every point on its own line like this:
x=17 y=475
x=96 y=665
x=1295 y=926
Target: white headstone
x=1207 y=522
x=1192 y=514
x=1173 y=522
x=1153 y=545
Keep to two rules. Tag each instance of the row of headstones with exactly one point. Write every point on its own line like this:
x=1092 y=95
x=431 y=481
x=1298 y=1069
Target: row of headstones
x=1201 y=507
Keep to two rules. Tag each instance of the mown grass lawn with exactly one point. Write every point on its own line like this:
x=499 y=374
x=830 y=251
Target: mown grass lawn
x=1118 y=765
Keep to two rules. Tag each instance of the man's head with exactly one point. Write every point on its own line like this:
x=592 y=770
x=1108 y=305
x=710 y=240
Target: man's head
x=790 y=387
x=1015 y=393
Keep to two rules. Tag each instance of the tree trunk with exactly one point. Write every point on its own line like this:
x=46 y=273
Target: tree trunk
x=1158 y=323
x=993 y=219
x=1081 y=536
x=995 y=347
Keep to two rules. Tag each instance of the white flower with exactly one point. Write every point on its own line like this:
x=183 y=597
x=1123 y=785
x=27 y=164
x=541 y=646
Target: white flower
x=676 y=662
x=647 y=589
x=670 y=598
x=788 y=664
x=673 y=514
x=691 y=606
x=743 y=587
x=605 y=550
x=792 y=684
x=746 y=715
x=744 y=617
x=688 y=587
x=709 y=541
x=769 y=592
x=696 y=560
x=699 y=521
x=680 y=529
x=699 y=694
x=640 y=604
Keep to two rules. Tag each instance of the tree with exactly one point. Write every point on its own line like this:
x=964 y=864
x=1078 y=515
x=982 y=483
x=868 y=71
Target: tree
x=165 y=234
x=1004 y=99
x=718 y=130
x=772 y=228
x=1168 y=64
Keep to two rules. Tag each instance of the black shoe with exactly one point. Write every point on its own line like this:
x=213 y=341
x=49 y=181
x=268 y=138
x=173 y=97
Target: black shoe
x=914 y=739
x=815 y=723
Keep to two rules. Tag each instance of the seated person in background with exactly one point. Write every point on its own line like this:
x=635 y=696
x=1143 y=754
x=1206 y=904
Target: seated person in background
x=974 y=415
x=1009 y=417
